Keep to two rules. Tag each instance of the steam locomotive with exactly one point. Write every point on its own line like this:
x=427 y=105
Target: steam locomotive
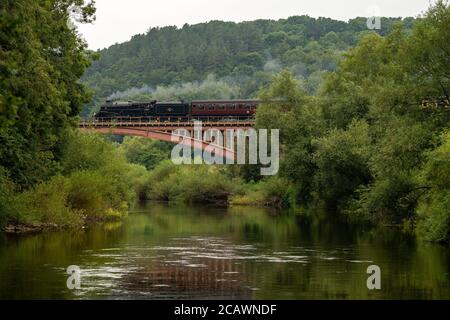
x=205 y=110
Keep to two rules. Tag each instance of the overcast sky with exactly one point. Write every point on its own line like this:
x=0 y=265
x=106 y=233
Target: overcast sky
x=118 y=20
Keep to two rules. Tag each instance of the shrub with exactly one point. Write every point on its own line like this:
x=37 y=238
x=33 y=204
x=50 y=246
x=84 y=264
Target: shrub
x=158 y=184
x=6 y=194
x=384 y=200
x=98 y=184
x=87 y=151
x=190 y=183
x=434 y=213
x=94 y=194
x=204 y=183
x=47 y=203
x=341 y=161
x=69 y=201
x=273 y=191
x=434 y=205
x=145 y=151
x=137 y=177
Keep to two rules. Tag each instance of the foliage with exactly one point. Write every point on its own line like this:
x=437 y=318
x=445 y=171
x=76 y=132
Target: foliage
x=47 y=203
x=94 y=156
x=288 y=108
x=98 y=184
x=360 y=143
x=82 y=152
x=172 y=63
x=341 y=160
x=6 y=193
x=145 y=151
x=41 y=61
x=190 y=183
x=273 y=192
x=70 y=201
x=397 y=154
x=433 y=209
x=95 y=195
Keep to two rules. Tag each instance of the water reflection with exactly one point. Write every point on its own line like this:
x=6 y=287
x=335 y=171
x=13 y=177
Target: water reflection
x=162 y=251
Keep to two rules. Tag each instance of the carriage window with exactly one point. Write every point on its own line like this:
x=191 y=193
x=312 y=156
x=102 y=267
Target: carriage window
x=231 y=107
x=247 y=107
x=221 y=107
x=211 y=107
x=200 y=107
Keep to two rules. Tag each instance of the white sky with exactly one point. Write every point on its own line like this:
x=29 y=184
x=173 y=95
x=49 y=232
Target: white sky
x=118 y=20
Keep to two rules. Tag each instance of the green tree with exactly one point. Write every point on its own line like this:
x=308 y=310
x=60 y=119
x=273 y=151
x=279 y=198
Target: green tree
x=146 y=152
x=41 y=61
x=288 y=108
x=434 y=204
x=341 y=158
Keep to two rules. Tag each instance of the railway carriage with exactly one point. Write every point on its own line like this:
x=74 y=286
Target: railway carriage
x=223 y=109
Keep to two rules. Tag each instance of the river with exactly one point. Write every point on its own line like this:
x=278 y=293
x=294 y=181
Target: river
x=165 y=251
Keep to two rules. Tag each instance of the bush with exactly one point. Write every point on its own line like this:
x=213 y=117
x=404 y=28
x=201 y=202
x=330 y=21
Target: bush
x=47 y=204
x=145 y=151
x=341 y=159
x=199 y=184
x=190 y=183
x=273 y=191
x=98 y=184
x=70 y=201
x=434 y=206
x=6 y=194
x=95 y=156
x=384 y=201
x=391 y=196
x=95 y=194
x=434 y=213
x=158 y=184
x=137 y=177
x=88 y=151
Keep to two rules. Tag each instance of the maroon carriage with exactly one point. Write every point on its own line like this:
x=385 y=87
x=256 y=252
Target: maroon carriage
x=223 y=109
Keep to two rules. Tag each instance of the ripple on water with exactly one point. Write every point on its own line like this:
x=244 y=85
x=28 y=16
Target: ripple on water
x=144 y=269
x=360 y=261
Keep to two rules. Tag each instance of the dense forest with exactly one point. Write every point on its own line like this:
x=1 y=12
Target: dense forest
x=223 y=59
x=356 y=140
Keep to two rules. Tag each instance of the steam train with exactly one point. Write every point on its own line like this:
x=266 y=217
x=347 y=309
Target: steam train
x=205 y=110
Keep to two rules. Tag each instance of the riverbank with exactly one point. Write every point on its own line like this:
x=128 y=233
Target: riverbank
x=30 y=228
x=34 y=228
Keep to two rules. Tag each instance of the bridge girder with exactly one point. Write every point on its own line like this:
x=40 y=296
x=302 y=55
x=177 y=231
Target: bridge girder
x=221 y=151
x=163 y=131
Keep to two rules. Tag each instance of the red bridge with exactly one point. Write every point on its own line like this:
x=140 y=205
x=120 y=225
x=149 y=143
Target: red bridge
x=164 y=131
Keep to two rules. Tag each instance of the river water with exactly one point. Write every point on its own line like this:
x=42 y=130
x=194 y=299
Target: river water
x=182 y=252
